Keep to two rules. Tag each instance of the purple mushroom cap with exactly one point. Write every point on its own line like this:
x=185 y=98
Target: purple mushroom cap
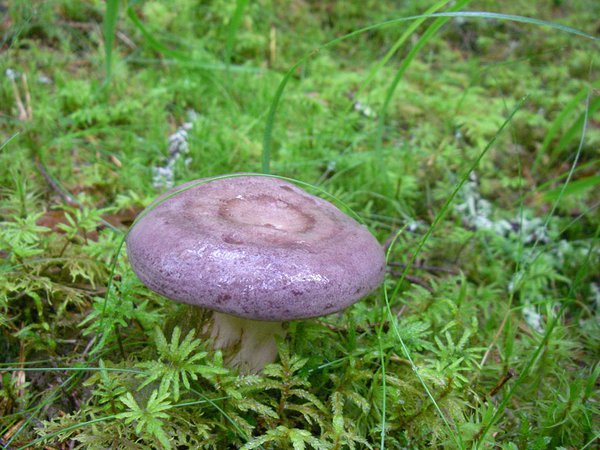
x=255 y=247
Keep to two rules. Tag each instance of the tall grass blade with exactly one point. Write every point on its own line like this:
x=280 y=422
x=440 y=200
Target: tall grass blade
x=573 y=286
x=559 y=121
x=438 y=218
x=431 y=31
x=76 y=426
x=109 y=26
x=409 y=31
x=543 y=343
x=575 y=129
x=578 y=187
x=268 y=138
x=57 y=392
x=65 y=430
x=178 y=56
x=6 y=142
x=547 y=186
x=380 y=342
x=232 y=29
x=571 y=172
x=519 y=19
x=152 y=41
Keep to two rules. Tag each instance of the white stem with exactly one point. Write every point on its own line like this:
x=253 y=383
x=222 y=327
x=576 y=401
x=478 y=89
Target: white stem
x=248 y=345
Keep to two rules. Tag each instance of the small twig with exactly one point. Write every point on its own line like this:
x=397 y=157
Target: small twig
x=126 y=40
x=120 y=341
x=87 y=348
x=412 y=279
x=4 y=445
x=510 y=373
x=8 y=435
x=90 y=25
x=67 y=198
x=29 y=110
x=20 y=107
x=78 y=25
x=426 y=267
x=400 y=360
x=388 y=241
x=507 y=376
x=272 y=45
x=331 y=326
x=495 y=339
x=18 y=377
x=325 y=175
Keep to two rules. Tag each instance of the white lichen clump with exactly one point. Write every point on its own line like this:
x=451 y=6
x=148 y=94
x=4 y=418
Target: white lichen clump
x=164 y=176
x=11 y=74
x=477 y=213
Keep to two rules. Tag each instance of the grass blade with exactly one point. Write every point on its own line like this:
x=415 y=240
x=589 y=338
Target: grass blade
x=6 y=142
x=578 y=187
x=558 y=122
x=550 y=328
x=520 y=19
x=109 y=26
x=232 y=29
x=64 y=430
x=178 y=56
x=410 y=30
x=464 y=178
x=268 y=134
x=575 y=128
x=431 y=31
x=154 y=43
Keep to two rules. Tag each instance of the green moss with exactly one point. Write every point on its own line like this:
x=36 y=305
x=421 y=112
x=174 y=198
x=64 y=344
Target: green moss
x=491 y=340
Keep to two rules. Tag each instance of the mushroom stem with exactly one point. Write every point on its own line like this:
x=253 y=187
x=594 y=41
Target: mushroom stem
x=248 y=345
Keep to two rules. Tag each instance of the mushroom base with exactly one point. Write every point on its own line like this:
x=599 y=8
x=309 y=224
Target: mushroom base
x=248 y=345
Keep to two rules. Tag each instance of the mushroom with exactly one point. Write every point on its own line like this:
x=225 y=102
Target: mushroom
x=256 y=250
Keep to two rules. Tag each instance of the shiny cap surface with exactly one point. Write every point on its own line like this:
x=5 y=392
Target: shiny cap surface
x=255 y=247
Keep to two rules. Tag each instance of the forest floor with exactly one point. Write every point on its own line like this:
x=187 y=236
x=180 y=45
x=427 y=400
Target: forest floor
x=469 y=144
